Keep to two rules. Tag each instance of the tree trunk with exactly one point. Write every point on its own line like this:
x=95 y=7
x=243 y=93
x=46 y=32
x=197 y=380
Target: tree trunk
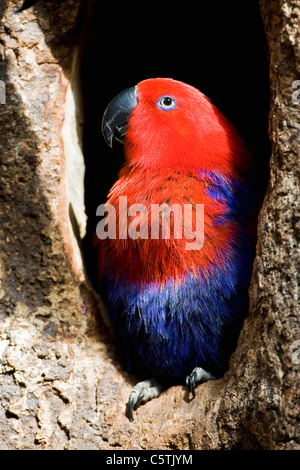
x=61 y=386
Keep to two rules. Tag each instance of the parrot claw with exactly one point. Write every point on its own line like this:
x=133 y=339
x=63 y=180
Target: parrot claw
x=197 y=375
x=141 y=393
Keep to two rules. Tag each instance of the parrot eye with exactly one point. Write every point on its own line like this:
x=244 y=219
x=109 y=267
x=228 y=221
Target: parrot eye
x=166 y=103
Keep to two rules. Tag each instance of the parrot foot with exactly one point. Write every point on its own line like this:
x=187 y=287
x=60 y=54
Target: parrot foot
x=142 y=392
x=197 y=375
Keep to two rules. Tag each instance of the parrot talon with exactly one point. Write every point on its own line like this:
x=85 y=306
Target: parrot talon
x=190 y=383
x=130 y=408
x=141 y=393
x=197 y=375
x=133 y=404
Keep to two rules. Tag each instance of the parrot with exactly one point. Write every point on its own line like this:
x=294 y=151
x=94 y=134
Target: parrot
x=176 y=311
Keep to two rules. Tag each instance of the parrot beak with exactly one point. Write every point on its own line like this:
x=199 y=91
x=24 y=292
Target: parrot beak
x=115 y=118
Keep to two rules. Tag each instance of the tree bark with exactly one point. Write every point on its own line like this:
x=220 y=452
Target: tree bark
x=61 y=385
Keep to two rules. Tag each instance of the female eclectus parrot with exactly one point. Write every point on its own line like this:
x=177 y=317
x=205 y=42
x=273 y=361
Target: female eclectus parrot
x=176 y=309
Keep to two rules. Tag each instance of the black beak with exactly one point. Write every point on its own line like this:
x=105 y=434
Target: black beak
x=114 y=122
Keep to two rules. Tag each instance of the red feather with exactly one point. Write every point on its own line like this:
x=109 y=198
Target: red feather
x=192 y=136
x=146 y=260
x=164 y=152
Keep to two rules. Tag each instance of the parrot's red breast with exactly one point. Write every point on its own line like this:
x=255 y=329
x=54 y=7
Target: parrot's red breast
x=145 y=260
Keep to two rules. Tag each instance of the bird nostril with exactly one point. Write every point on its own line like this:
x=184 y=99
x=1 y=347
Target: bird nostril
x=121 y=127
x=120 y=132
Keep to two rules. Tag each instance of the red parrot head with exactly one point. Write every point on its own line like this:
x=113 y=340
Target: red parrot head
x=167 y=123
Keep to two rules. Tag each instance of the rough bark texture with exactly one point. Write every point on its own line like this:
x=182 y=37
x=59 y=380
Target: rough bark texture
x=61 y=386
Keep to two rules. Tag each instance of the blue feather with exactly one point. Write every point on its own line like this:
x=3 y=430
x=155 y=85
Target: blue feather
x=166 y=331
